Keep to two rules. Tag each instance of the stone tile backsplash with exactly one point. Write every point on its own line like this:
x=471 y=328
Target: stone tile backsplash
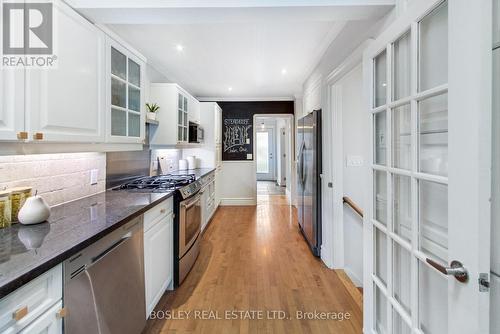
x=58 y=178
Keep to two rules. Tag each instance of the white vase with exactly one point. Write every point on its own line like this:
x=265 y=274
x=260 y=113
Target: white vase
x=35 y=210
x=152 y=115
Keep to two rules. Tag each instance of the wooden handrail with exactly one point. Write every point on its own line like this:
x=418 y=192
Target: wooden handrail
x=353 y=205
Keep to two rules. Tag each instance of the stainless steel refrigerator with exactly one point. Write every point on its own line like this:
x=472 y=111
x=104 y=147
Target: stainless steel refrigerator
x=309 y=170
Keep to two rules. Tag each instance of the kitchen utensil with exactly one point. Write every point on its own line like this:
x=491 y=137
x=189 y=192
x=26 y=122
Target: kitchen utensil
x=183 y=164
x=191 y=162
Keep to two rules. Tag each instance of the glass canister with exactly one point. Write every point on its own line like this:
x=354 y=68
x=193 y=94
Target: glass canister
x=17 y=197
x=5 y=209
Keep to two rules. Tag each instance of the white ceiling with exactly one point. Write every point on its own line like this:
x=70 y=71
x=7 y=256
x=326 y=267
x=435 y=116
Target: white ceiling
x=226 y=46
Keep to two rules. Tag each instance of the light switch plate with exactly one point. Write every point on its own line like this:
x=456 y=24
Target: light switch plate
x=248 y=141
x=354 y=161
x=249 y=156
x=93 y=176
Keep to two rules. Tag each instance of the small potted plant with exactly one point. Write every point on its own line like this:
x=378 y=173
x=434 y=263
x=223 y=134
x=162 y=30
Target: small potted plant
x=152 y=110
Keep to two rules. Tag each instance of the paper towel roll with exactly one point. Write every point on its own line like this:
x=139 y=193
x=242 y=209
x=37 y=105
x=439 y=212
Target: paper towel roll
x=183 y=164
x=191 y=160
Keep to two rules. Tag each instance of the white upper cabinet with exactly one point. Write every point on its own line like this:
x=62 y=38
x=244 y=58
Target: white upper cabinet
x=175 y=113
x=211 y=118
x=194 y=110
x=125 y=113
x=65 y=103
x=11 y=104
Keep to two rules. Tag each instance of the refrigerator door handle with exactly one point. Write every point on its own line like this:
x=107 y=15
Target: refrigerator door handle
x=300 y=164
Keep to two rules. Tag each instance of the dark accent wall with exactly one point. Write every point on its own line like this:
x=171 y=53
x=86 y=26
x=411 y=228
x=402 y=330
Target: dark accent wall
x=237 y=125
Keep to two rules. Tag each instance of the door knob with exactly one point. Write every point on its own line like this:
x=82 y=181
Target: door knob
x=456 y=269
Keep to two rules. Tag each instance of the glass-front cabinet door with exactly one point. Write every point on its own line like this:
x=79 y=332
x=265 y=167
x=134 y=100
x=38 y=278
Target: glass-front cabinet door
x=182 y=118
x=125 y=96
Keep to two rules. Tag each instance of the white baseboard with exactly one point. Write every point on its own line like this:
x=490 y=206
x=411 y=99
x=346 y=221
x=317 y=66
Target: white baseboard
x=357 y=282
x=238 y=201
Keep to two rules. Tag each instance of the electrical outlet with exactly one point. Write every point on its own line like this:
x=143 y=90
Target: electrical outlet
x=93 y=176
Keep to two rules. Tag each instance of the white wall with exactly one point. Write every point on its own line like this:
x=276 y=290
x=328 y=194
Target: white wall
x=354 y=139
x=239 y=183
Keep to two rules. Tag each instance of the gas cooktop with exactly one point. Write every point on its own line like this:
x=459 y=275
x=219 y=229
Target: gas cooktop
x=166 y=182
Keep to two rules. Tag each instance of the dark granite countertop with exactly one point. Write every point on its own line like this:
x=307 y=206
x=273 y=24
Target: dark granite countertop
x=198 y=172
x=28 y=251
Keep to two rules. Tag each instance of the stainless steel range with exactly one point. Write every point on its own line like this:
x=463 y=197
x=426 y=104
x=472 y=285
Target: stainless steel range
x=187 y=221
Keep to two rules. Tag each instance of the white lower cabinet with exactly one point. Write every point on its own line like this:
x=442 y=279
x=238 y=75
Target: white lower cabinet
x=158 y=257
x=48 y=323
x=34 y=307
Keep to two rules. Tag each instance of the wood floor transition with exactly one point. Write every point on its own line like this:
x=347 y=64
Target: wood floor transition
x=254 y=263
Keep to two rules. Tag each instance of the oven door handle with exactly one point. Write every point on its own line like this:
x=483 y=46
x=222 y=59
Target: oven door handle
x=191 y=203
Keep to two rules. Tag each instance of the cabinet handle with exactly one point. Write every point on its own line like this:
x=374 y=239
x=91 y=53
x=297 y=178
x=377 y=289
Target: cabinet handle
x=22 y=135
x=20 y=313
x=163 y=210
x=61 y=313
x=38 y=136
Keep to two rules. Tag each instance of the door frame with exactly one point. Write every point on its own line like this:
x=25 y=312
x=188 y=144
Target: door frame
x=469 y=180
x=291 y=119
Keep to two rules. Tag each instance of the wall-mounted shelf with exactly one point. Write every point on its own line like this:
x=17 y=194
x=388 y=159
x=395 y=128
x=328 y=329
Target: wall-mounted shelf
x=152 y=121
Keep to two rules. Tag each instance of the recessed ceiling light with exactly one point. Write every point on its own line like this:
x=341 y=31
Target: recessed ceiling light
x=229 y=88
x=283 y=71
x=179 y=47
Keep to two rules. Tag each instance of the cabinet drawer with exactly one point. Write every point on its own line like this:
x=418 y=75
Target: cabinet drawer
x=30 y=301
x=48 y=323
x=158 y=212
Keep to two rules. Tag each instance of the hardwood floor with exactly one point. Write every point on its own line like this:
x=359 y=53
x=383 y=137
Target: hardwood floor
x=255 y=259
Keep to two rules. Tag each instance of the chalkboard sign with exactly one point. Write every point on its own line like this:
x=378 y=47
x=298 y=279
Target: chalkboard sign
x=237 y=137
x=237 y=125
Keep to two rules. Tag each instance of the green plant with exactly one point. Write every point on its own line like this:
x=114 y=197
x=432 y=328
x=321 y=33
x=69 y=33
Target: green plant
x=152 y=107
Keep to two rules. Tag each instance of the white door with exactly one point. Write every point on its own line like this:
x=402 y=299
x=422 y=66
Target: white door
x=429 y=78
x=265 y=154
x=66 y=103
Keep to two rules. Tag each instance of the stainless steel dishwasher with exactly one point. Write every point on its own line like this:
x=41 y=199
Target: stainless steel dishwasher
x=104 y=284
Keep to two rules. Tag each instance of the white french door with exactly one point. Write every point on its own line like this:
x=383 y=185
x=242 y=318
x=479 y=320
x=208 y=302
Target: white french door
x=430 y=108
x=265 y=155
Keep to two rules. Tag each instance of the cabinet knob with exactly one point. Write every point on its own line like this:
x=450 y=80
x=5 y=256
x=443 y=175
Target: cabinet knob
x=163 y=210
x=38 y=136
x=22 y=135
x=61 y=313
x=20 y=313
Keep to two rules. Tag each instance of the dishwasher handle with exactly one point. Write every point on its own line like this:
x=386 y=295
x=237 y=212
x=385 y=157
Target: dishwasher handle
x=111 y=248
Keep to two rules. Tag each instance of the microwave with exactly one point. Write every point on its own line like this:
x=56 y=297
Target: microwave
x=196 y=134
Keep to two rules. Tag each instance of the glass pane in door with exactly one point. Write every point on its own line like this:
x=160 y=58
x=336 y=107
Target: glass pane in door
x=381 y=255
x=263 y=152
x=134 y=73
x=380 y=91
x=433 y=220
x=118 y=122
x=401 y=137
x=180 y=103
x=401 y=208
x=399 y=326
x=433 y=49
x=179 y=133
x=401 y=68
x=432 y=300
x=134 y=125
x=380 y=311
x=180 y=115
x=433 y=135
x=118 y=93
x=380 y=137
x=118 y=64
x=380 y=182
x=401 y=280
